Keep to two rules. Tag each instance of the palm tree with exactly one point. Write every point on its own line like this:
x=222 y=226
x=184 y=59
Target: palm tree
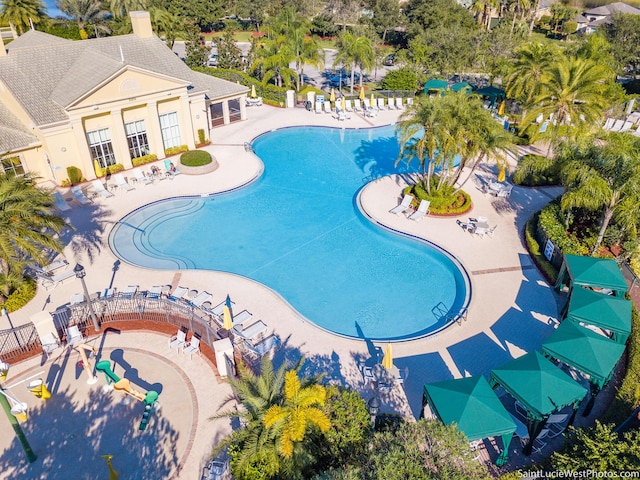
x=297 y=413
x=355 y=51
x=525 y=77
x=84 y=12
x=274 y=57
x=20 y=13
x=166 y=25
x=306 y=51
x=27 y=227
x=121 y=8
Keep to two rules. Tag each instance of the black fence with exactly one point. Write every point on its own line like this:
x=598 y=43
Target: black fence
x=15 y=342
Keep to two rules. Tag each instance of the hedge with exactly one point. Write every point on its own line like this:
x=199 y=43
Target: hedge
x=441 y=205
x=175 y=150
x=152 y=157
x=21 y=295
x=536 y=252
x=271 y=94
x=195 y=158
x=551 y=220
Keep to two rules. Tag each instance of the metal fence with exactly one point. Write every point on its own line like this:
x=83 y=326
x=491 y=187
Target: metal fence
x=17 y=341
x=630 y=276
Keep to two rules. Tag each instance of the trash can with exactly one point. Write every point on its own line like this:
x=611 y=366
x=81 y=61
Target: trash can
x=39 y=389
x=19 y=410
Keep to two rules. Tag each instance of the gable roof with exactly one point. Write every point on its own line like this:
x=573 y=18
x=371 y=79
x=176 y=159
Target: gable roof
x=34 y=38
x=616 y=7
x=13 y=134
x=74 y=68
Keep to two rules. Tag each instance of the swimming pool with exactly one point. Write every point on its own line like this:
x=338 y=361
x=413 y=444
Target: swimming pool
x=298 y=230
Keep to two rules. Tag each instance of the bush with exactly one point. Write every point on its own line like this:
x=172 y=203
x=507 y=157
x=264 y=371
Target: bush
x=75 y=175
x=551 y=221
x=21 y=295
x=401 y=79
x=536 y=252
x=152 y=157
x=201 y=138
x=175 y=150
x=271 y=94
x=443 y=202
x=195 y=158
x=100 y=172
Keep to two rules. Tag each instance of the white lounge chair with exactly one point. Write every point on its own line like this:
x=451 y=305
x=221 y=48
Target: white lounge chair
x=617 y=126
x=367 y=373
x=366 y=104
x=391 y=103
x=98 y=187
x=201 y=298
x=626 y=126
x=381 y=103
x=178 y=340
x=253 y=333
x=178 y=293
x=399 y=104
x=60 y=202
x=259 y=350
x=539 y=443
x=404 y=206
x=556 y=424
x=347 y=106
x=409 y=100
x=49 y=343
x=79 y=195
x=140 y=177
x=318 y=107
x=423 y=209
x=74 y=335
x=54 y=280
x=327 y=107
x=218 y=310
x=241 y=318
x=154 y=292
x=608 y=123
x=192 y=347
x=76 y=298
x=167 y=168
x=52 y=267
x=122 y=183
x=357 y=105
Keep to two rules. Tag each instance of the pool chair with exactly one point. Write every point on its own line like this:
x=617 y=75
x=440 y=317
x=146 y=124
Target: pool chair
x=79 y=195
x=626 y=127
x=404 y=206
x=178 y=293
x=381 y=103
x=218 y=310
x=74 y=335
x=539 y=442
x=122 y=183
x=409 y=100
x=49 y=281
x=167 y=168
x=201 y=298
x=251 y=334
x=49 y=344
x=367 y=373
x=608 y=123
x=318 y=107
x=140 y=177
x=154 y=292
x=423 y=209
x=192 y=347
x=327 y=107
x=60 y=202
x=347 y=106
x=241 y=318
x=178 y=340
x=52 y=267
x=391 y=103
x=617 y=126
x=357 y=106
x=259 y=350
x=98 y=188
x=399 y=104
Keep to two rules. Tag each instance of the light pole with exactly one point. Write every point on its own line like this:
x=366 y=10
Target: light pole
x=80 y=273
x=31 y=457
x=6 y=314
x=374 y=409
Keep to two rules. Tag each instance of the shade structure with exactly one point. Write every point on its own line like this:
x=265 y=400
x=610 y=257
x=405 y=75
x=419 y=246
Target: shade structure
x=592 y=272
x=387 y=360
x=494 y=94
x=584 y=349
x=456 y=87
x=603 y=311
x=474 y=407
x=332 y=97
x=227 y=316
x=435 y=84
x=253 y=91
x=361 y=95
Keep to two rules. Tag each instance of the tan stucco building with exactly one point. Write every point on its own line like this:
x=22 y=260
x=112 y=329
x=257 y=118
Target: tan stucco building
x=69 y=103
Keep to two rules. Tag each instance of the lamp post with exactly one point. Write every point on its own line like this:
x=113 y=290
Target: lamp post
x=374 y=409
x=80 y=273
x=31 y=457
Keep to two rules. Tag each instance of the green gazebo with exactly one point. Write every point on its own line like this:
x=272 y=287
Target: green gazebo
x=602 y=311
x=435 y=84
x=474 y=407
x=494 y=94
x=591 y=353
x=591 y=272
x=540 y=386
x=456 y=87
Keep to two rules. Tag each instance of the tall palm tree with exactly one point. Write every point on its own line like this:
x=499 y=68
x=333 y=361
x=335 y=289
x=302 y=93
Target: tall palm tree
x=84 y=12
x=20 y=12
x=166 y=25
x=121 y=8
x=27 y=226
x=523 y=82
x=355 y=51
x=273 y=58
x=298 y=412
x=306 y=51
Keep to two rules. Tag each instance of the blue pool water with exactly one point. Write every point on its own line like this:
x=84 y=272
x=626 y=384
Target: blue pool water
x=298 y=230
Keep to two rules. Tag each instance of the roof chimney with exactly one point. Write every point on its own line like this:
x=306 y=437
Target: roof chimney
x=3 y=51
x=141 y=23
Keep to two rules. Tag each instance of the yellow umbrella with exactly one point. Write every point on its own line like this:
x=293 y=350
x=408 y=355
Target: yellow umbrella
x=373 y=101
x=253 y=91
x=227 y=322
x=387 y=360
x=332 y=97
x=502 y=173
x=342 y=103
x=362 y=92
x=501 y=109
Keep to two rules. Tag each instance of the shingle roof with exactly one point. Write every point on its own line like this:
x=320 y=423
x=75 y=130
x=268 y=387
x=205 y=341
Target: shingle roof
x=34 y=38
x=47 y=76
x=617 y=7
x=13 y=134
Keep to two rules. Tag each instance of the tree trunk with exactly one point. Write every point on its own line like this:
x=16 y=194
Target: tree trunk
x=606 y=218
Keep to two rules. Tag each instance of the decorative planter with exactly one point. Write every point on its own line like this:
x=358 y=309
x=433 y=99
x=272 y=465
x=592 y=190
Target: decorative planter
x=201 y=170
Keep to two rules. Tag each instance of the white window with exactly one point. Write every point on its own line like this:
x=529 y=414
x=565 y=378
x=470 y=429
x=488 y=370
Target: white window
x=170 y=130
x=137 y=138
x=13 y=166
x=100 y=147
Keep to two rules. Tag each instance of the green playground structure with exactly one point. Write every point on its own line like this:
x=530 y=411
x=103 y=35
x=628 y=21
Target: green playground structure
x=124 y=385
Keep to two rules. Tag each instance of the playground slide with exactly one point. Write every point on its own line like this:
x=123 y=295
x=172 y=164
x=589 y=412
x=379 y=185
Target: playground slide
x=104 y=366
x=125 y=385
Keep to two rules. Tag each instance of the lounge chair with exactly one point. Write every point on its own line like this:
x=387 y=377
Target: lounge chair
x=122 y=183
x=192 y=347
x=347 y=106
x=251 y=334
x=318 y=107
x=178 y=293
x=356 y=105
x=140 y=177
x=74 y=335
x=327 y=107
x=201 y=298
x=178 y=340
x=482 y=231
x=129 y=291
x=556 y=424
x=617 y=126
x=54 y=280
x=399 y=104
x=76 y=298
x=154 y=292
x=423 y=209
x=409 y=100
x=608 y=123
x=381 y=103
x=218 y=310
x=367 y=373
x=404 y=206
x=505 y=192
x=539 y=443
x=167 y=167
x=366 y=104
x=391 y=103
x=60 y=202
x=98 y=187
x=79 y=195
x=49 y=343
x=626 y=127
x=53 y=266
x=266 y=346
x=241 y=318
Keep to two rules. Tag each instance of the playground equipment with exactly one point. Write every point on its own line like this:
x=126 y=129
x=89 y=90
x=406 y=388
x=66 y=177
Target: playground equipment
x=83 y=349
x=113 y=475
x=149 y=398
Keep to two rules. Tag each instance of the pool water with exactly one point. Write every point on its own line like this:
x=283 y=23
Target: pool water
x=298 y=230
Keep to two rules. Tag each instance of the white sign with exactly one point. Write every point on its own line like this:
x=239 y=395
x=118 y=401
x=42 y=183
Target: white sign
x=548 y=249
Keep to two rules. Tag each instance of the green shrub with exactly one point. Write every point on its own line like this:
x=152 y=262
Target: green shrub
x=115 y=168
x=201 y=138
x=175 y=150
x=271 y=94
x=400 y=79
x=21 y=295
x=195 y=158
x=443 y=202
x=75 y=175
x=551 y=221
x=536 y=252
x=152 y=157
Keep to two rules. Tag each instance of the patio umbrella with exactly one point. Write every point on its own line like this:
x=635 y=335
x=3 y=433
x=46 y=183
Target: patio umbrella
x=502 y=173
x=253 y=91
x=501 y=109
x=387 y=360
x=227 y=323
x=332 y=97
x=373 y=101
x=361 y=93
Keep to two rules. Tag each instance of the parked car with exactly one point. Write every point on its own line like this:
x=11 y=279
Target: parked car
x=389 y=60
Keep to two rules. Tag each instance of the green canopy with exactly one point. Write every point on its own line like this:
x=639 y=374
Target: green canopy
x=584 y=349
x=592 y=272
x=537 y=384
x=474 y=407
x=603 y=311
x=492 y=93
x=460 y=86
x=435 y=84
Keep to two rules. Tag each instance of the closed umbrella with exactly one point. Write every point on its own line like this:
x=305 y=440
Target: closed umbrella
x=362 y=92
x=227 y=323
x=502 y=173
x=501 y=108
x=387 y=360
x=332 y=97
x=373 y=101
x=253 y=91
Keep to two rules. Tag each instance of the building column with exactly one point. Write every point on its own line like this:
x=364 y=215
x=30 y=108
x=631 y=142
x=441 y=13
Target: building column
x=154 y=134
x=186 y=125
x=225 y=112
x=119 y=140
x=85 y=161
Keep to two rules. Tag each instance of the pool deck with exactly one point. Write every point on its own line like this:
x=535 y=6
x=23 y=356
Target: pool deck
x=512 y=309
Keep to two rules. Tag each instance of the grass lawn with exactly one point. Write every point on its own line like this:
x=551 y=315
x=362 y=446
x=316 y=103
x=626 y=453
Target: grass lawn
x=237 y=36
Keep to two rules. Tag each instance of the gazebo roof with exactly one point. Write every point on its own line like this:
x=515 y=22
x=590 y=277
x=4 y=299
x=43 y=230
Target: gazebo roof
x=600 y=310
x=595 y=272
x=436 y=84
